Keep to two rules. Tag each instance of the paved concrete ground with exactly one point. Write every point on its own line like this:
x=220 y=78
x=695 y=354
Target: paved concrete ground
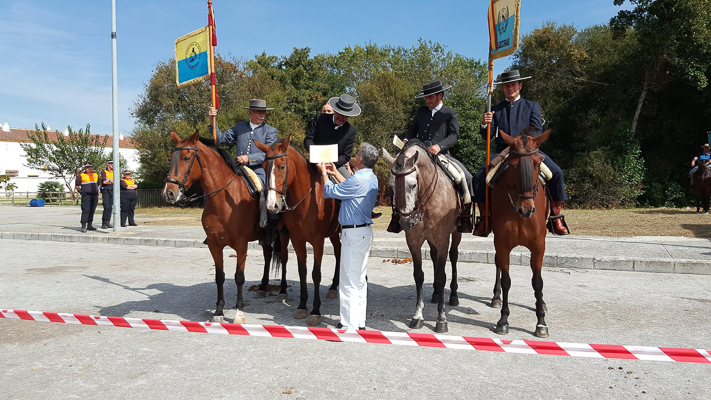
x=51 y=360
x=643 y=253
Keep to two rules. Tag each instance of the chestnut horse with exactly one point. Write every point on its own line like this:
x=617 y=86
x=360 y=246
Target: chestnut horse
x=515 y=198
x=295 y=189
x=702 y=185
x=428 y=207
x=231 y=215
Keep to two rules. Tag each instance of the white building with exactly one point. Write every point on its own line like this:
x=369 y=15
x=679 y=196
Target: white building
x=13 y=158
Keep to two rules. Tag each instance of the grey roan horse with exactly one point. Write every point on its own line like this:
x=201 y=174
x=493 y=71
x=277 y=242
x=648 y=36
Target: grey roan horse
x=428 y=208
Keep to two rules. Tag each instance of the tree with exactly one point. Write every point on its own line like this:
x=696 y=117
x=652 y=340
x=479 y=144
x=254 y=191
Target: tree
x=64 y=156
x=7 y=186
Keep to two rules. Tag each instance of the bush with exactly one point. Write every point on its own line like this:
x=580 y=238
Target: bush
x=47 y=187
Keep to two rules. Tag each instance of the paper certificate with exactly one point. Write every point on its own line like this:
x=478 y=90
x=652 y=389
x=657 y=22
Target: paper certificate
x=397 y=142
x=323 y=153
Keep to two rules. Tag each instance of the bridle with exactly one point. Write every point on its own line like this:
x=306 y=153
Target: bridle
x=174 y=171
x=283 y=207
x=423 y=199
x=527 y=175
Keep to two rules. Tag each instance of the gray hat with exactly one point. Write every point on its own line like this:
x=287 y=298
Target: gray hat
x=345 y=105
x=510 y=76
x=432 y=88
x=258 y=104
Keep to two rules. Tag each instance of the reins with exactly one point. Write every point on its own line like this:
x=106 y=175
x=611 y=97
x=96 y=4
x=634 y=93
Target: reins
x=527 y=176
x=174 y=168
x=283 y=191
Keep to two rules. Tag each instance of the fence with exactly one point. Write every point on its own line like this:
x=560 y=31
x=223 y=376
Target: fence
x=146 y=198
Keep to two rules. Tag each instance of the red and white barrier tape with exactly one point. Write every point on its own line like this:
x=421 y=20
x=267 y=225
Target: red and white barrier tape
x=398 y=338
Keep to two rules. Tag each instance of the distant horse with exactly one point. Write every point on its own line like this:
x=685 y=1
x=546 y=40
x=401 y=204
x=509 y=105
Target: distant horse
x=515 y=198
x=231 y=214
x=702 y=185
x=295 y=188
x=428 y=207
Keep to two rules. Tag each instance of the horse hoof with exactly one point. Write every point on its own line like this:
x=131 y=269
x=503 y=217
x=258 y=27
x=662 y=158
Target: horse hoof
x=441 y=327
x=332 y=294
x=541 y=331
x=218 y=319
x=314 y=320
x=495 y=303
x=282 y=297
x=260 y=294
x=435 y=299
x=453 y=301
x=301 y=313
x=416 y=323
x=501 y=329
x=239 y=318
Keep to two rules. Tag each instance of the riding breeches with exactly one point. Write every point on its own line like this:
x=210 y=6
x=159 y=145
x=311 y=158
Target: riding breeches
x=556 y=185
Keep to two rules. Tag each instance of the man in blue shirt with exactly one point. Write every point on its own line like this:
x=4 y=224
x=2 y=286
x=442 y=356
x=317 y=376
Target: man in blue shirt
x=357 y=195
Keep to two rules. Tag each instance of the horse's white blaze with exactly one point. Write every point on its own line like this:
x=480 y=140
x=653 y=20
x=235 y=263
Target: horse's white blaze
x=271 y=195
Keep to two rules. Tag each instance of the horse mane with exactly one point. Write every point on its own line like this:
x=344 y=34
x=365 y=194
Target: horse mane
x=225 y=156
x=400 y=160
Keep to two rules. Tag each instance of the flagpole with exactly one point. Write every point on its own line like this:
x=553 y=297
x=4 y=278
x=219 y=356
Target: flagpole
x=488 y=142
x=213 y=80
x=114 y=119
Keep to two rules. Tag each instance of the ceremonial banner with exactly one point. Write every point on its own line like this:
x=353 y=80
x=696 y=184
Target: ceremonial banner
x=503 y=19
x=192 y=52
x=323 y=153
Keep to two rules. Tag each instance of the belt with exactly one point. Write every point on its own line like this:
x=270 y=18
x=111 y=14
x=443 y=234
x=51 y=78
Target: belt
x=354 y=226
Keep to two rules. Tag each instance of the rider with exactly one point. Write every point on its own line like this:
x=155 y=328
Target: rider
x=705 y=157
x=437 y=126
x=511 y=116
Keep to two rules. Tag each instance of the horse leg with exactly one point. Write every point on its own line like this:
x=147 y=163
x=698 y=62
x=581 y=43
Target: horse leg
x=433 y=256
x=216 y=252
x=502 y=265
x=419 y=275
x=440 y=280
x=300 y=250
x=284 y=259
x=537 y=283
x=453 y=258
x=262 y=290
x=496 y=300
x=239 y=279
x=315 y=317
x=333 y=290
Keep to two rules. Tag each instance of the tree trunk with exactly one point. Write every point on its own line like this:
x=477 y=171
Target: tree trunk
x=645 y=88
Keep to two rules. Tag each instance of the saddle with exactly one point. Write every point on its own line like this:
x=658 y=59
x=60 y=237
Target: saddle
x=500 y=162
x=455 y=175
x=254 y=184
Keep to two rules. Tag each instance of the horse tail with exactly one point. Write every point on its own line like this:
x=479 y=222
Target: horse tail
x=276 y=252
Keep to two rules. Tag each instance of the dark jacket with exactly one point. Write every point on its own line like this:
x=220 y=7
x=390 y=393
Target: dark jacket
x=441 y=129
x=322 y=131
x=512 y=119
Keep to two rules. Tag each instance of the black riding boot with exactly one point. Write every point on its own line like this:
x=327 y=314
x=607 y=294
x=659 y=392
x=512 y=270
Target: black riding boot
x=464 y=220
x=394 y=226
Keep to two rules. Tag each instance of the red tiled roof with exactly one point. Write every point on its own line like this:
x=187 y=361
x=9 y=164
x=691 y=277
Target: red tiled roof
x=22 y=135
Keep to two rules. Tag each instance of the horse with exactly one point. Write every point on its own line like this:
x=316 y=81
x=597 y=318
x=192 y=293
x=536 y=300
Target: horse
x=428 y=208
x=701 y=179
x=515 y=198
x=231 y=214
x=295 y=189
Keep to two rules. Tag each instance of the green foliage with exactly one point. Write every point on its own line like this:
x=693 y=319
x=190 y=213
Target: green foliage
x=6 y=184
x=64 y=156
x=45 y=188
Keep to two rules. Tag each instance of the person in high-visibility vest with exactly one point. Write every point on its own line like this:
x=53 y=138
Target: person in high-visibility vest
x=128 y=199
x=107 y=194
x=87 y=183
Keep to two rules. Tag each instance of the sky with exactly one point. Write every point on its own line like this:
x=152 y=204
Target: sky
x=56 y=57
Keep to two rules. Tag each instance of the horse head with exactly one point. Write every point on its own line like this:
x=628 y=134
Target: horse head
x=181 y=174
x=405 y=182
x=277 y=173
x=524 y=163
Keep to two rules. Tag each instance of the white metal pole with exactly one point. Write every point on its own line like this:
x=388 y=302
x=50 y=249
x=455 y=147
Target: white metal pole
x=114 y=102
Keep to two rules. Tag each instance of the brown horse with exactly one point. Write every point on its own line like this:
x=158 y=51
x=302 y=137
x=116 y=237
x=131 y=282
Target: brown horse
x=428 y=208
x=295 y=189
x=231 y=215
x=701 y=179
x=515 y=198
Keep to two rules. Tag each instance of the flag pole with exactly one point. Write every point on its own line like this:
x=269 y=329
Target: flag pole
x=488 y=142
x=213 y=80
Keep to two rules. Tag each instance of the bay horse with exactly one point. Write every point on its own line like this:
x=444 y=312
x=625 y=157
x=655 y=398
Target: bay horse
x=428 y=208
x=231 y=214
x=515 y=198
x=294 y=188
x=701 y=179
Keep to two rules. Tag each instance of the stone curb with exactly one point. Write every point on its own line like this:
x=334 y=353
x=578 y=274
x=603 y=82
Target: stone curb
x=631 y=264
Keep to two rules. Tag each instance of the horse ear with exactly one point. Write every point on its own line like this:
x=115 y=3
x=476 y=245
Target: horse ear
x=388 y=158
x=412 y=160
x=261 y=146
x=175 y=137
x=195 y=136
x=508 y=139
x=542 y=137
x=286 y=142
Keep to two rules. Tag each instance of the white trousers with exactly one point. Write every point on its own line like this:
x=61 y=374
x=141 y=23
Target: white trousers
x=352 y=286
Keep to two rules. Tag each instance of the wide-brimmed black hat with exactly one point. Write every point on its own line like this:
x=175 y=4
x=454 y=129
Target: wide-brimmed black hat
x=432 y=88
x=510 y=76
x=345 y=105
x=258 y=104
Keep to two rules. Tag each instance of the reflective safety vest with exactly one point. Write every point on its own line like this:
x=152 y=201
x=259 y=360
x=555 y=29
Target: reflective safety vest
x=87 y=179
x=129 y=182
x=108 y=174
